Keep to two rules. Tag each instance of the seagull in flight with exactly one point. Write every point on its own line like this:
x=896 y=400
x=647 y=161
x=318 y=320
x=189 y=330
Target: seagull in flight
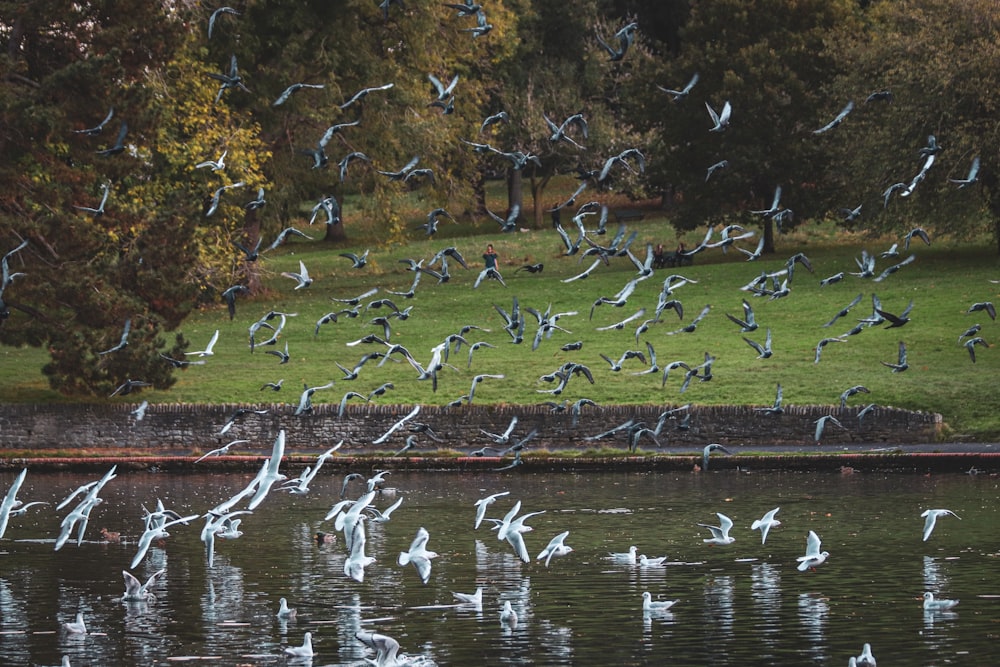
x=720 y=120
x=94 y=131
x=123 y=343
x=681 y=95
x=838 y=120
x=765 y=524
x=364 y=92
x=813 y=557
x=720 y=533
x=931 y=517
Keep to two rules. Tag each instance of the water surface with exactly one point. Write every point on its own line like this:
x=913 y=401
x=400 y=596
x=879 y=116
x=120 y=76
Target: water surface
x=740 y=604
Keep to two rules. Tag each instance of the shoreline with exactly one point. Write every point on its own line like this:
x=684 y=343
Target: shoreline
x=967 y=458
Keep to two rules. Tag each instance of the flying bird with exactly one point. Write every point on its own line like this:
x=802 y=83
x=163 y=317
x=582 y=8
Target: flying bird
x=292 y=89
x=720 y=120
x=813 y=557
x=930 y=520
x=973 y=176
x=681 y=95
x=838 y=120
x=364 y=92
x=123 y=342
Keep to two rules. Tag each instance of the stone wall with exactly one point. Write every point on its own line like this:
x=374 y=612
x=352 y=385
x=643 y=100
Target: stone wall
x=185 y=429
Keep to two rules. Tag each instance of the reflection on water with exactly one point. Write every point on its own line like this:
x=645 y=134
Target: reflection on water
x=740 y=604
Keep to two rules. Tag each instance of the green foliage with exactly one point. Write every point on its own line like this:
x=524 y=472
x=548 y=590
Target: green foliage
x=938 y=59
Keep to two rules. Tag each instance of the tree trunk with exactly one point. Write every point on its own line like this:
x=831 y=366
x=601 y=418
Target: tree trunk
x=515 y=189
x=479 y=192
x=335 y=233
x=251 y=235
x=768 y=237
x=537 y=188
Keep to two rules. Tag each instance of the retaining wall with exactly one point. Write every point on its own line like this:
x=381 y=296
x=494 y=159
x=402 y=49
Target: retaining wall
x=184 y=429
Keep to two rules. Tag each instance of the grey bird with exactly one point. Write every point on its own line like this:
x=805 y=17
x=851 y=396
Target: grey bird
x=97 y=129
x=357 y=261
x=823 y=343
x=821 y=425
x=99 y=211
x=970 y=345
x=845 y=310
x=856 y=389
x=749 y=323
x=901 y=364
x=721 y=164
x=986 y=306
x=123 y=343
x=230 y=79
x=363 y=93
x=119 y=145
x=838 y=120
x=558 y=132
x=707 y=452
x=681 y=95
x=973 y=176
x=776 y=407
x=763 y=351
x=292 y=89
x=283 y=236
x=215 y=15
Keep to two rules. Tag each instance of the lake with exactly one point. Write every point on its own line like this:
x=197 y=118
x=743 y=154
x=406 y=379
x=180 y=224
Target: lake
x=740 y=604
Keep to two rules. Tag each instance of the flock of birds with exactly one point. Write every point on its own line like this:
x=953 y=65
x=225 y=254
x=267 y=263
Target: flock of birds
x=350 y=515
x=590 y=221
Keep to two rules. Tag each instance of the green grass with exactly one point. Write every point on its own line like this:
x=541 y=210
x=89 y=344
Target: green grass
x=944 y=280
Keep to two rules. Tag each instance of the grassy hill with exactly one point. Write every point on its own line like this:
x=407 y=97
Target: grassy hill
x=943 y=281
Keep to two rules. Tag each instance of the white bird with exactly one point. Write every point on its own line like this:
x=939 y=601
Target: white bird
x=304 y=651
x=284 y=611
x=721 y=120
x=302 y=277
x=221 y=450
x=207 y=352
x=930 y=604
x=355 y=564
x=765 y=524
x=473 y=598
x=645 y=561
x=216 y=165
x=556 y=547
x=720 y=533
x=269 y=472
x=930 y=520
x=510 y=529
x=814 y=557
x=78 y=627
x=866 y=659
x=10 y=501
x=156 y=531
x=481 y=506
x=419 y=555
x=627 y=557
x=508 y=616
x=651 y=606
x=135 y=590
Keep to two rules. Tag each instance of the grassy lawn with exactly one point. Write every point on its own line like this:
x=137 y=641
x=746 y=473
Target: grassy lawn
x=943 y=281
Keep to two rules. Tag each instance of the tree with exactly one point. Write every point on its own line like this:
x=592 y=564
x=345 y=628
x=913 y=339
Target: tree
x=146 y=256
x=939 y=62
x=767 y=59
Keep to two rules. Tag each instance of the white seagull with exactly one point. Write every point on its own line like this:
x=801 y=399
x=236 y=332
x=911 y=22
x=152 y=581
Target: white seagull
x=930 y=604
x=135 y=590
x=720 y=533
x=651 y=606
x=765 y=524
x=930 y=520
x=419 y=555
x=304 y=651
x=481 y=506
x=556 y=547
x=814 y=557
x=207 y=352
